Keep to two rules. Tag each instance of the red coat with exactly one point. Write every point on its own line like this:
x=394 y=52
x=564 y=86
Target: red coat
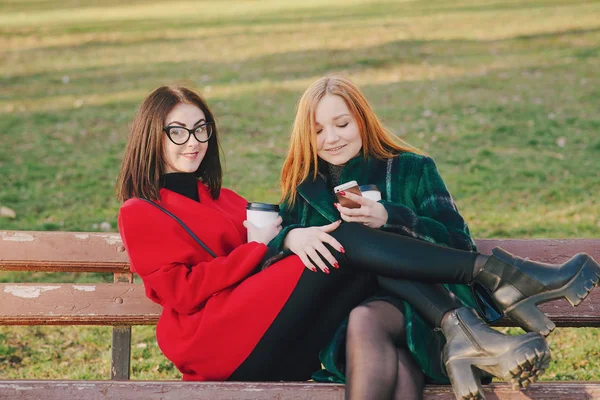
x=214 y=311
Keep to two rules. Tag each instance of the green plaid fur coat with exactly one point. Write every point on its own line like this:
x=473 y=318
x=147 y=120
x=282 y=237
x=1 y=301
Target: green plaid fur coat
x=419 y=206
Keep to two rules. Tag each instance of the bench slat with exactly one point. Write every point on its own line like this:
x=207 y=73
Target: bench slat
x=545 y=250
x=62 y=252
x=72 y=304
x=104 y=252
x=586 y=314
x=126 y=304
x=154 y=390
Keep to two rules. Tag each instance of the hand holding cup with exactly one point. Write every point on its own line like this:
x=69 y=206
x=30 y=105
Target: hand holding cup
x=263 y=222
x=265 y=233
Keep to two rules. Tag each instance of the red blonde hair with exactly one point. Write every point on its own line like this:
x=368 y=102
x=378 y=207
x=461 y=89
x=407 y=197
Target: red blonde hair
x=377 y=141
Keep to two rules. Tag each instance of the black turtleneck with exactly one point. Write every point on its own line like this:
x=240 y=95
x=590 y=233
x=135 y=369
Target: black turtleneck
x=184 y=183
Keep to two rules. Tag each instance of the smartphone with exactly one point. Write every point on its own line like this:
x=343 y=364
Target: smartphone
x=351 y=187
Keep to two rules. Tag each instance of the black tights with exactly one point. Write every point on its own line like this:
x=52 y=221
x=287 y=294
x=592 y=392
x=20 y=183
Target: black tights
x=318 y=305
x=378 y=365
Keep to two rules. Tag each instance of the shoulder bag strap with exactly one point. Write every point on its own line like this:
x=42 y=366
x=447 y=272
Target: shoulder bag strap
x=184 y=226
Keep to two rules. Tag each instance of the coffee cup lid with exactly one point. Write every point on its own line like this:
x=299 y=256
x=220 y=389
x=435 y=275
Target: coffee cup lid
x=366 y=188
x=254 y=206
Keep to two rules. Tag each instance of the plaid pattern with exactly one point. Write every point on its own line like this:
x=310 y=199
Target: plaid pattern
x=418 y=205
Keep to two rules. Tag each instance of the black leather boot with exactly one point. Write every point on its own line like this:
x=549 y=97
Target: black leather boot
x=518 y=285
x=473 y=347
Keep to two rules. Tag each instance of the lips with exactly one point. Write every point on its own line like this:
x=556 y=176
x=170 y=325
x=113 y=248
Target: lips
x=191 y=156
x=334 y=149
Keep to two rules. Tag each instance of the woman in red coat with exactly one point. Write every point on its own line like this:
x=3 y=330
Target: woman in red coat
x=223 y=319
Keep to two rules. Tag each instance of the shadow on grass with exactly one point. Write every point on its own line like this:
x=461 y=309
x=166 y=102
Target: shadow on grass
x=8 y=6
x=276 y=67
x=349 y=13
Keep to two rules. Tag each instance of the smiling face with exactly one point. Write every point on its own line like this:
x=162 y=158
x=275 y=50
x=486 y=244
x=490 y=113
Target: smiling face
x=338 y=135
x=188 y=156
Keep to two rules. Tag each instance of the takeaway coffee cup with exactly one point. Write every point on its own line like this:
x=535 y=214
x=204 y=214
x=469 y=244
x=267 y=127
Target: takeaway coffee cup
x=370 y=192
x=261 y=214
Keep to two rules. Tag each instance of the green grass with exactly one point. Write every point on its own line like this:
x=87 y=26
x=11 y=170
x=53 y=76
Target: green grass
x=503 y=94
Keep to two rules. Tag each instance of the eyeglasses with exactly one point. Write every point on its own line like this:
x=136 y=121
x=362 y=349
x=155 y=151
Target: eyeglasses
x=180 y=135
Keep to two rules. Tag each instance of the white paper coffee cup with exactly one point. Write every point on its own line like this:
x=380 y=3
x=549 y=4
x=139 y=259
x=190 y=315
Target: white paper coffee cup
x=370 y=192
x=261 y=214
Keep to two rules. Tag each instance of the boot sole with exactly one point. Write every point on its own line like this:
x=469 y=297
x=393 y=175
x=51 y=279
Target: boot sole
x=519 y=366
x=526 y=314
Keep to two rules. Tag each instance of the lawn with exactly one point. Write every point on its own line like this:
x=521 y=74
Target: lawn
x=503 y=94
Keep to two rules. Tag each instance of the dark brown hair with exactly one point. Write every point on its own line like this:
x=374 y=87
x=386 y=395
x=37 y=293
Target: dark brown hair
x=143 y=162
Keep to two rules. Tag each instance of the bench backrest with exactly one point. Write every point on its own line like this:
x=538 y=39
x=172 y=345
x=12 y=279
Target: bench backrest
x=124 y=303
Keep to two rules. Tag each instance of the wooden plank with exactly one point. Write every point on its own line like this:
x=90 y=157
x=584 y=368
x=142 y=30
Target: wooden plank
x=545 y=250
x=104 y=252
x=126 y=304
x=113 y=305
x=155 y=390
x=564 y=315
x=62 y=252
x=73 y=304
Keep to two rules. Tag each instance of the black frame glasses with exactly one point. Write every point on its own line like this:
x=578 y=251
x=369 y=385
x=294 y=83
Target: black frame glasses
x=207 y=126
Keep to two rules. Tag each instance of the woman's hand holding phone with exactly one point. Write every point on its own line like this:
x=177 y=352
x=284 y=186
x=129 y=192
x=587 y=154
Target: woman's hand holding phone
x=348 y=187
x=309 y=243
x=370 y=212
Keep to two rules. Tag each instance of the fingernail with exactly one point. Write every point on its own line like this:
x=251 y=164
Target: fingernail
x=335 y=205
x=336 y=265
x=342 y=250
x=326 y=270
x=342 y=193
x=339 y=220
x=313 y=269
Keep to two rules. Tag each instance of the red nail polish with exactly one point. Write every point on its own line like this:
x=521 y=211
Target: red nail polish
x=342 y=193
x=342 y=250
x=326 y=270
x=336 y=265
x=335 y=205
x=313 y=269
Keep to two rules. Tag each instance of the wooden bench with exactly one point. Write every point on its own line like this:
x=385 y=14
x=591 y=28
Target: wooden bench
x=123 y=304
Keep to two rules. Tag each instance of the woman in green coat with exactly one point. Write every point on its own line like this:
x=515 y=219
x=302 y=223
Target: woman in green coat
x=337 y=138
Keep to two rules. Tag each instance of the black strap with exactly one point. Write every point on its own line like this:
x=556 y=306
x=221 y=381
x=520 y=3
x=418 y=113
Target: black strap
x=188 y=230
